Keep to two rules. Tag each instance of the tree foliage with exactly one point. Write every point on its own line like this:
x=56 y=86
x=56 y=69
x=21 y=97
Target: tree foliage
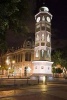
x=57 y=70
x=58 y=57
x=13 y=16
x=3 y=67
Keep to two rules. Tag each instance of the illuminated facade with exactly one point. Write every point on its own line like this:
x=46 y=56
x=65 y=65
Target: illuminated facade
x=19 y=62
x=32 y=60
x=42 y=50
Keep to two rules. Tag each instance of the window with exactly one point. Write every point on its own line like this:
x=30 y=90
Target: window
x=42 y=37
x=37 y=44
x=37 y=53
x=18 y=57
x=42 y=53
x=42 y=27
x=38 y=26
x=28 y=56
x=48 y=38
x=48 y=53
x=37 y=37
x=21 y=56
x=28 y=44
x=37 y=29
x=43 y=18
x=48 y=29
x=13 y=57
x=42 y=44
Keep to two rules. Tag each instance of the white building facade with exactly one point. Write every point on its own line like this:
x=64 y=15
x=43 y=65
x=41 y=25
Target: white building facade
x=42 y=50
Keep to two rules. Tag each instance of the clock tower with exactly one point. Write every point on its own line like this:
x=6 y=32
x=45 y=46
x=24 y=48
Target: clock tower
x=42 y=50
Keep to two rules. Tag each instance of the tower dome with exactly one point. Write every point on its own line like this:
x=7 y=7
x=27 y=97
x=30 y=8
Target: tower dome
x=45 y=9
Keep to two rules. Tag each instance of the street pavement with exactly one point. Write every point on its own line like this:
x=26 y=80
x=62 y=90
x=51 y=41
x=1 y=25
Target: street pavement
x=51 y=91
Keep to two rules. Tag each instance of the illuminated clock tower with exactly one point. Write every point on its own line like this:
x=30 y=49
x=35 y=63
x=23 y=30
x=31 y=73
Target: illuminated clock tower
x=42 y=50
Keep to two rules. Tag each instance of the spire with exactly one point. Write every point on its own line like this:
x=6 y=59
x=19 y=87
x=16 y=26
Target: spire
x=43 y=3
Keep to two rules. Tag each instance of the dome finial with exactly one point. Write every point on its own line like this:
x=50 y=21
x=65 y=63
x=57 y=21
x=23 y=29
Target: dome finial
x=43 y=3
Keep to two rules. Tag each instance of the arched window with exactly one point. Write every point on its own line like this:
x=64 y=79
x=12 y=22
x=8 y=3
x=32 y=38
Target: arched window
x=37 y=54
x=42 y=36
x=28 y=56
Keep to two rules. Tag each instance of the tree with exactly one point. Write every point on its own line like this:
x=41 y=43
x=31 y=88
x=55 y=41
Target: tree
x=57 y=57
x=53 y=70
x=58 y=70
x=13 y=16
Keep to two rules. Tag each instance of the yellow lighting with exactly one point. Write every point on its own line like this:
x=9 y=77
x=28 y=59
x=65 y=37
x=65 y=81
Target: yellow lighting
x=9 y=68
x=44 y=79
x=7 y=62
x=13 y=61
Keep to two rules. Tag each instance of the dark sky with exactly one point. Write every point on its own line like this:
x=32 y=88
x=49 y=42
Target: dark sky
x=58 y=8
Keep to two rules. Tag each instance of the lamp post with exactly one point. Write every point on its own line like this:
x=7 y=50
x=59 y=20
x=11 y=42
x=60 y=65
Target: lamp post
x=13 y=66
x=10 y=65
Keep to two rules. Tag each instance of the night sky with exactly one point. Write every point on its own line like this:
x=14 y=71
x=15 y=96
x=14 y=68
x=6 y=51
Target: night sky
x=58 y=8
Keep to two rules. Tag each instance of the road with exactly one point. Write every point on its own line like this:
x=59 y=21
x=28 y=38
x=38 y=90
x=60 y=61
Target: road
x=51 y=91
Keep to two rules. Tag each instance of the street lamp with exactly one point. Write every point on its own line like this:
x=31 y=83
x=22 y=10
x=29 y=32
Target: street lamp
x=13 y=67
x=8 y=63
x=0 y=66
x=11 y=63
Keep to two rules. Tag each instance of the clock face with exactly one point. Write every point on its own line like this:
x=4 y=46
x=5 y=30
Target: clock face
x=38 y=19
x=48 y=19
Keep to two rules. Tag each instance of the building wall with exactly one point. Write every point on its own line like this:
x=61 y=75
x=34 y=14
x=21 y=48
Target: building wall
x=18 y=60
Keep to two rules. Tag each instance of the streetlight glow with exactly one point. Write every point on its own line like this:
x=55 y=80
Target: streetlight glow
x=44 y=79
x=7 y=61
x=13 y=61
